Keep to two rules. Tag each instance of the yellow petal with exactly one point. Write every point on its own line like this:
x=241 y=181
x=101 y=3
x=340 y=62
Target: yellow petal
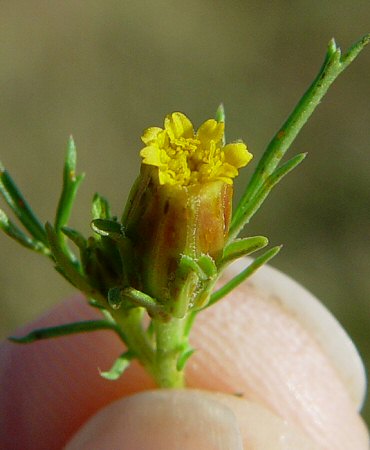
x=150 y=135
x=151 y=155
x=178 y=125
x=226 y=171
x=210 y=130
x=237 y=154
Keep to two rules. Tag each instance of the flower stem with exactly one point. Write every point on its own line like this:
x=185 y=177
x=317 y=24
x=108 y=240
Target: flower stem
x=171 y=341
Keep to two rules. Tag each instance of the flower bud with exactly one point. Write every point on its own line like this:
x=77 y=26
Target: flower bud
x=181 y=203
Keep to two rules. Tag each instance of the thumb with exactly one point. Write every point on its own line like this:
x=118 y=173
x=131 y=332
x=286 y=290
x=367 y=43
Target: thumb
x=186 y=420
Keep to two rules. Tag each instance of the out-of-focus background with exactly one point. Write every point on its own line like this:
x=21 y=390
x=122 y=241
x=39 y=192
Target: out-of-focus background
x=105 y=70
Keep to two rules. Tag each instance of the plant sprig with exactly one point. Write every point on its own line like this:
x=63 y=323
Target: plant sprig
x=105 y=269
x=267 y=171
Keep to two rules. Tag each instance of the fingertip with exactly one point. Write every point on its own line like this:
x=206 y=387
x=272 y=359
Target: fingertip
x=187 y=420
x=251 y=345
x=161 y=420
x=49 y=388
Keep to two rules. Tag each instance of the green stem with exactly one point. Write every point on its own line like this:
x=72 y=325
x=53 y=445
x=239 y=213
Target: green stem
x=333 y=65
x=171 y=342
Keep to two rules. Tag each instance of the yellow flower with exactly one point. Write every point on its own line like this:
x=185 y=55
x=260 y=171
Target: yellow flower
x=184 y=157
x=180 y=206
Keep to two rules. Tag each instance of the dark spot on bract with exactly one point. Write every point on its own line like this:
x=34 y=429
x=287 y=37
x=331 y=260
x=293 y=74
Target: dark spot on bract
x=166 y=207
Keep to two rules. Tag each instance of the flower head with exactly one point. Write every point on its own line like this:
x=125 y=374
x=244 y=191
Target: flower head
x=181 y=205
x=184 y=157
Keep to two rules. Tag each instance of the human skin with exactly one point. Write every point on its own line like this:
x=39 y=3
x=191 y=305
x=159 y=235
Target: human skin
x=259 y=380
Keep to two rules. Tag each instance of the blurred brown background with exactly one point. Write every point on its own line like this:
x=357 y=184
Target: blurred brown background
x=104 y=70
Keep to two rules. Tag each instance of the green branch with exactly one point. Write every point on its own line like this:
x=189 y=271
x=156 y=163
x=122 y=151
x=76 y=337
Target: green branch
x=333 y=65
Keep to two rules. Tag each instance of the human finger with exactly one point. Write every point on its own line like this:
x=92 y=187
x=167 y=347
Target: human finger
x=187 y=420
x=246 y=344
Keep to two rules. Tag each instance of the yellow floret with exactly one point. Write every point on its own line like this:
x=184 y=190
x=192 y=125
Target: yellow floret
x=184 y=157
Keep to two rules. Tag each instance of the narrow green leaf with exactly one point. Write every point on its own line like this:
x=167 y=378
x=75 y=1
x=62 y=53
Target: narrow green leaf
x=190 y=275
x=139 y=298
x=247 y=210
x=243 y=247
x=15 y=233
x=187 y=264
x=95 y=304
x=333 y=65
x=68 y=268
x=20 y=207
x=189 y=321
x=120 y=365
x=354 y=51
x=75 y=237
x=184 y=286
x=71 y=183
x=100 y=208
x=207 y=265
x=109 y=228
x=63 y=330
x=234 y=282
x=183 y=358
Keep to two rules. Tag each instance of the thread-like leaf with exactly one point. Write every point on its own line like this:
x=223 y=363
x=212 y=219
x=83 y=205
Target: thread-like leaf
x=71 y=183
x=108 y=228
x=247 y=210
x=243 y=247
x=64 y=330
x=238 y=279
x=68 y=268
x=15 y=233
x=20 y=206
x=333 y=65
x=100 y=208
x=75 y=237
x=120 y=365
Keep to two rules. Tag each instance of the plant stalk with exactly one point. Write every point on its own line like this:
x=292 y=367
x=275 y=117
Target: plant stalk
x=170 y=342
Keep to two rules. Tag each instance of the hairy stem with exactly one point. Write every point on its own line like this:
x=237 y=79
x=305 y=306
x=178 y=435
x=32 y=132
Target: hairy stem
x=170 y=341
